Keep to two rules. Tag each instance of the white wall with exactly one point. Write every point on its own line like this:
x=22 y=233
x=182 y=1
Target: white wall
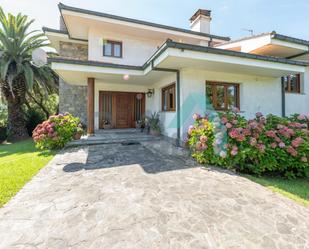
x=153 y=104
x=105 y=86
x=299 y=102
x=257 y=94
x=135 y=50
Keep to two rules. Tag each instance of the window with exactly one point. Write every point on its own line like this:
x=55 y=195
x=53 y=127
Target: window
x=168 y=98
x=222 y=96
x=112 y=48
x=292 y=83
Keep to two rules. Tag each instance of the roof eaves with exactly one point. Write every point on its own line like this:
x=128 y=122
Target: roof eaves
x=46 y=29
x=61 y=6
x=244 y=38
x=198 y=48
x=290 y=39
x=63 y=32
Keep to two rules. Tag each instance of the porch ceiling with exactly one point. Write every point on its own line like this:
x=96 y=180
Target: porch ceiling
x=278 y=50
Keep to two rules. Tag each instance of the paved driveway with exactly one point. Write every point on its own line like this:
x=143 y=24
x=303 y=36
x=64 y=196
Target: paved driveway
x=146 y=196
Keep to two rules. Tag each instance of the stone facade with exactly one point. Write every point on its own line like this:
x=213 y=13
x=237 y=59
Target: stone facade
x=73 y=99
x=73 y=50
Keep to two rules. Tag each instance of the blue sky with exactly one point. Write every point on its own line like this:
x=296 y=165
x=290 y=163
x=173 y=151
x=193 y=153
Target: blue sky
x=230 y=17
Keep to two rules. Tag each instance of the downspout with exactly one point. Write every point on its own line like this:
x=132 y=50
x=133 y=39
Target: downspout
x=177 y=97
x=282 y=97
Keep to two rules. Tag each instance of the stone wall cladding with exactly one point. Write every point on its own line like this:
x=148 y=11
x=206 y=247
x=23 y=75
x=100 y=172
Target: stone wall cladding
x=73 y=99
x=72 y=50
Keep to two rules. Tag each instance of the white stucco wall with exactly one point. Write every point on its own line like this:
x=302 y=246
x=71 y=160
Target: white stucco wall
x=299 y=102
x=257 y=94
x=135 y=50
x=153 y=104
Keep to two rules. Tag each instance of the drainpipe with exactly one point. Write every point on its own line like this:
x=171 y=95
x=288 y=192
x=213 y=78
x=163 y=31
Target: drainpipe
x=177 y=97
x=282 y=97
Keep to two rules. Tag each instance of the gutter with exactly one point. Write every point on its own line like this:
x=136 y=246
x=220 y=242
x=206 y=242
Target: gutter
x=282 y=97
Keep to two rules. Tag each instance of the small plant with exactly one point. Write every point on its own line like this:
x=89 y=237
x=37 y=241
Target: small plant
x=154 y=123
x=57 y=131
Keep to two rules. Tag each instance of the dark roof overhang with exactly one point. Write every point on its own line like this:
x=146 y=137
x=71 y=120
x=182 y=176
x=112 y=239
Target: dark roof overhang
x=61 y=7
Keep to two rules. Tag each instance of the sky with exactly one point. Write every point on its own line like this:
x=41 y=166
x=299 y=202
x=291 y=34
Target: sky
x=230 y=17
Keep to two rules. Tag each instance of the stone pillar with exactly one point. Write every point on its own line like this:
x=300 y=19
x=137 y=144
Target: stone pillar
x=90 y=106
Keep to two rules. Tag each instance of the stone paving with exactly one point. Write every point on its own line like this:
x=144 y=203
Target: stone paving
x=148 y=195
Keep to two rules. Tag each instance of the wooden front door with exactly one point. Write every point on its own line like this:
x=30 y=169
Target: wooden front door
x=120 y=109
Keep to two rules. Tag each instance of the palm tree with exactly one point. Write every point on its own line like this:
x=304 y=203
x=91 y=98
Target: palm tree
x=18 y=73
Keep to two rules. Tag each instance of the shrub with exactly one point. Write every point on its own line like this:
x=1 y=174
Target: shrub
x=3 y=114
x=33 y=118
x=55 y=132
x=261 y=145
x=3 y=134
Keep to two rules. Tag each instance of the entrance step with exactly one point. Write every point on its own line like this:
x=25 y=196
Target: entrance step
x=125 y=136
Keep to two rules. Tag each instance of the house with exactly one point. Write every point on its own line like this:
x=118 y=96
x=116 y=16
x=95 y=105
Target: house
x=114 y=70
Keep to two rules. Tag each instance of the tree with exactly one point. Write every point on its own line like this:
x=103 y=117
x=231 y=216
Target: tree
x=19 y=75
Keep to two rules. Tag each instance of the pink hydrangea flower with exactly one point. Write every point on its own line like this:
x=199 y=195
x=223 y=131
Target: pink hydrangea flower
x=203 y=139
x=291 y=151
x=233 y=133
x=223 y=154
x=229 y=125
x=234 y=152
x=302 y=117
x=240 y=138
x=253 y=141
x=190 y=129
x=273 y=145
x=224 y=120
x=196 y=116
x=297 y=141
x=261 y=148
x=281 y=145
x=270 y=133
x=303 y=159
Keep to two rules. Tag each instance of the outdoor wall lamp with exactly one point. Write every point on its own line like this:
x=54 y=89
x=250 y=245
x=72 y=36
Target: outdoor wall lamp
x=150 y=93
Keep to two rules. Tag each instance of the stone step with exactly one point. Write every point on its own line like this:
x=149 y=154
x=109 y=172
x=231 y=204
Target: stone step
x=111 y=140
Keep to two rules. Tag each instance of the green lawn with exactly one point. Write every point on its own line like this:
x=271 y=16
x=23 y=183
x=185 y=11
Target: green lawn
x=295 y=189
x=19 y=162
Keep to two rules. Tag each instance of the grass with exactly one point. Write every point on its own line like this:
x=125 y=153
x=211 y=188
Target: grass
x=19 y=162
x=295 y=189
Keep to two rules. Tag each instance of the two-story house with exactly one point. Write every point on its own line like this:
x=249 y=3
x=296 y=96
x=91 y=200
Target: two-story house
x=114 y=70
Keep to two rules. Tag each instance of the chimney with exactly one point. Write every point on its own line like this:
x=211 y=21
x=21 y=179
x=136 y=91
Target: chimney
x=200 y=21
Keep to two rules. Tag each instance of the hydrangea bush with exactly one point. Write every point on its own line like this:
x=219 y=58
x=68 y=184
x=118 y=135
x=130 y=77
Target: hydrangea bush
x=261 y=145
x=55 y=132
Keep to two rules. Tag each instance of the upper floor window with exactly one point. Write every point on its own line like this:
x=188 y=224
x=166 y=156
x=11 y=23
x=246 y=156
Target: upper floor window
x=292 y=83
x=168 y=98
x=222 y=96
x=112 y=48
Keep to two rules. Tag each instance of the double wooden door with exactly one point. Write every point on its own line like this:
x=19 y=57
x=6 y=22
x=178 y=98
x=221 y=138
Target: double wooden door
x=120 y=109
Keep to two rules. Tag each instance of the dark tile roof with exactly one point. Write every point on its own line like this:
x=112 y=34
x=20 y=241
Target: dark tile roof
x=120 y=18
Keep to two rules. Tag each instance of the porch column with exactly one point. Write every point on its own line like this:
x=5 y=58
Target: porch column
x=90 y=106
